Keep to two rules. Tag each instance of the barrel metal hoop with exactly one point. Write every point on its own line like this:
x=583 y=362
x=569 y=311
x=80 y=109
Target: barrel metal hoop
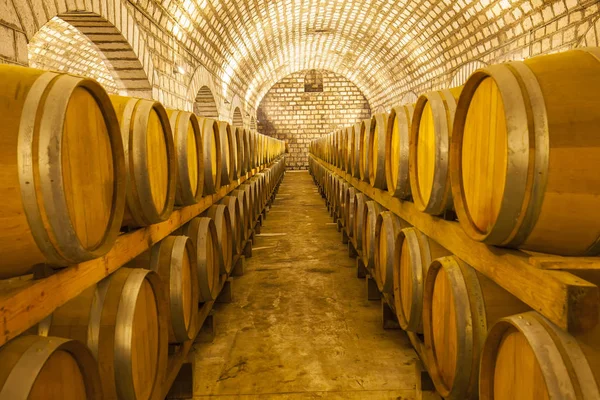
x=28 y=135
x=541 y=152
x=21 y=378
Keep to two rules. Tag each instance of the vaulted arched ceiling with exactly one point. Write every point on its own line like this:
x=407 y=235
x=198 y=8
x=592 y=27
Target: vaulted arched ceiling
x=382 y=46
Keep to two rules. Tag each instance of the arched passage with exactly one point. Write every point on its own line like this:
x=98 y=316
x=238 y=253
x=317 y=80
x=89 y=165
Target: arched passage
x=86 y=44
x=205 y=104
x=238 y=120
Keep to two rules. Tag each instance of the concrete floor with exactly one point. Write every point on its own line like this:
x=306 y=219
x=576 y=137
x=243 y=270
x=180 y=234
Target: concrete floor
x=300 y=326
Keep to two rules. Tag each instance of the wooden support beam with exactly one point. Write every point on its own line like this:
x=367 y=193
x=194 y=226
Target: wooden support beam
x=183 y=387
x=388 y=316
x=226 y=295
x=207 y=331
x=361 y=270
x=372 y=289
x=565 y=299
x=238 y=268
x=344 y=237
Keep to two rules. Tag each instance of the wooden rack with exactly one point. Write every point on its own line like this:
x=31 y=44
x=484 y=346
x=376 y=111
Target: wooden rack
x=567 y=300
x=26 y=301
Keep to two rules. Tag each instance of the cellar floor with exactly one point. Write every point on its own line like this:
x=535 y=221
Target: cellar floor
x=300 y=325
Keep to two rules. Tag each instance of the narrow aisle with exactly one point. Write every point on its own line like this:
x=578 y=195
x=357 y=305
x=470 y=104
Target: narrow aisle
x=300 y=325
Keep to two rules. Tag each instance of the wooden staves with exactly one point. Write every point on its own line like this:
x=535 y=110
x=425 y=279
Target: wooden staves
x=237 y=223
x=63 y=192
x=365 y=135
x=356 y=153
x=123 y=320
x=524 y=159
x=212 y=155
x=359 y=213
x=349 y=210
x=387 y=228
x=397 y=148
x=242 y=196
x=228 y=153
x=174 y=260
x=187 y=139
x=49 y=368
x=370 y=213
x=414 y=252
x=203 y=233
x=242 y=165
x=459 y=306
x=526 y=357
x=220 y=214
x=377 y=144
x=150 y=160
x=429 y=168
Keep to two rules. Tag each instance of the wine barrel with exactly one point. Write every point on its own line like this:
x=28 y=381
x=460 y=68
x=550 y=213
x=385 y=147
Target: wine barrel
x=365 y=134
x=358 y=143
x=49 y=368
x=247 y=155
x=371 y=211
x=527 y=357
x=123 y=320
x=220 y=214
x=240 y=157
x=62 y=204
x=413 y=253
x=349 y=210
x=212 y=155
x=350 y=150
x=359 y=211
x=247 y=188
x=525 y=171
x=253 y=149
x=242 y=197
x=430 y=133
x=387 y=228
x=457 y=296
x=174 y=260
x=397 y=149
x=151 y=164
x=187 y=139
x=376 y=150
x=202 y=231
x=237 y=224
x=227 y=153
x=342 y=196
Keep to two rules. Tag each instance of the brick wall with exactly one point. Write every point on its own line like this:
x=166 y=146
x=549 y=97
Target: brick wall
x=288 y=112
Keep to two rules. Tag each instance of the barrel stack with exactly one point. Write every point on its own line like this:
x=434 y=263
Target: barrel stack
x=145 y=215
x=477 y=190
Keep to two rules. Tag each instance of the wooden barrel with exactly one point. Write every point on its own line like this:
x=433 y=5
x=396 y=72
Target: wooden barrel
x=371 y=211
x=242 y=196
x=220 y=214
x=457 y=296
x=376 y=150
x=253 y=149
x=124 y=322
x=525 y=147
x=430 y=133
x=350 y=150
x=527 y=357
x=342 y=196
x=227 y=153
x=49 y=368
x=358 y=140
x=359 y=211
x=397 y=149
x=365 y=134
x=202 y=232
x=413 y=253
x=212 y=155
x=151 y=164
x=240 y=157
x=349 y=210
x=387 y=228
x=174 y=260
x=247 y=188
x=62 y=204
x=246 y=146
x=187 y=139
x=237 y=224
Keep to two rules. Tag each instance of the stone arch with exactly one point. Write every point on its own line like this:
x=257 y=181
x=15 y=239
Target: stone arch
x=408 y=98
x=205 y=104
x=203 y=81
x=104 y=23
x=237 y=119
x=463 y=72
x=592 y=37
x=379 y=110
x=86 y=44
x=236 y=103
x=253 y=123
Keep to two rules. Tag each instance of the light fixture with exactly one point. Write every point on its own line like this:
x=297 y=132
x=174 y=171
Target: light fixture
x=178 y=69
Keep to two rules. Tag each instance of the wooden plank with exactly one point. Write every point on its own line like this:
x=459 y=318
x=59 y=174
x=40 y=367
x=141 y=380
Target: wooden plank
x=565 y=299
x=25 y=305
